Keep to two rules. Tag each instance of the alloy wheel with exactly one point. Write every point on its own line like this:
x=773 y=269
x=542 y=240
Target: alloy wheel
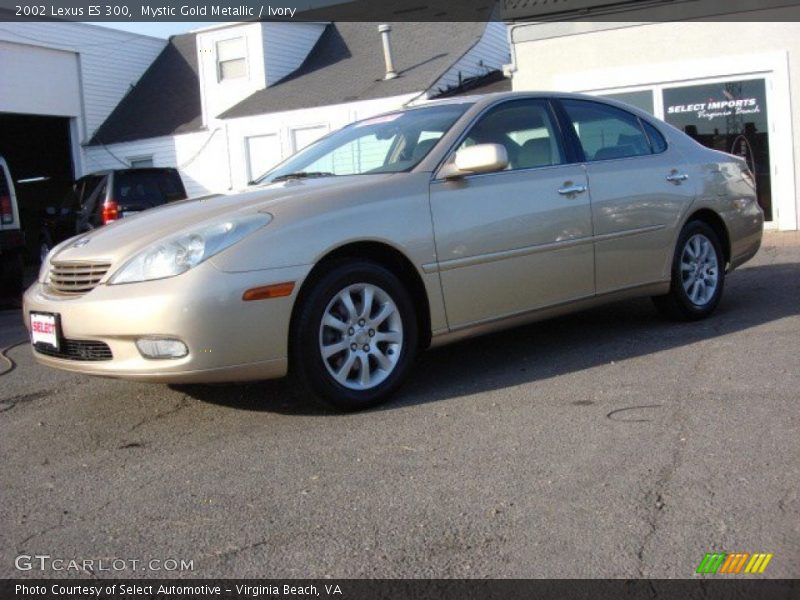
x=361 y=336
x=699 y=269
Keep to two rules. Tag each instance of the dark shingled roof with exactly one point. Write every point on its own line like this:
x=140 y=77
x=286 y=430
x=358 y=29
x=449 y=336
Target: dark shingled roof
x=166 y=99
x=347 y=65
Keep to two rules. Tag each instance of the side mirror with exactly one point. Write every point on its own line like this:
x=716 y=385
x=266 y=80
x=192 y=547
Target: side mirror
x=481 y=158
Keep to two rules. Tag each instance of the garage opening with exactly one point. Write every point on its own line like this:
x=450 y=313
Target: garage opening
x=38 y=152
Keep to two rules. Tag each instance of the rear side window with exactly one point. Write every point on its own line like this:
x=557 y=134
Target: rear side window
x=657 y=141
x=146 y=189
x=606 y=132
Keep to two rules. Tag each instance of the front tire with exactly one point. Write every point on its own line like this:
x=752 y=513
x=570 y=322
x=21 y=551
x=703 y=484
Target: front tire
x=698 y=274
x=355 y=335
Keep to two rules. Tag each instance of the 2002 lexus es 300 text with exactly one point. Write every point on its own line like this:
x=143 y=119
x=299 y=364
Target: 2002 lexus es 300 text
x=413 y=228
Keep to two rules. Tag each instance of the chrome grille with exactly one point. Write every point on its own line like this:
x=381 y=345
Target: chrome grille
x=76 y=278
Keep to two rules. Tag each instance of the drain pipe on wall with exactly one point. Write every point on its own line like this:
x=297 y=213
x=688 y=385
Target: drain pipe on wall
x=386 y=32
x=510 y=69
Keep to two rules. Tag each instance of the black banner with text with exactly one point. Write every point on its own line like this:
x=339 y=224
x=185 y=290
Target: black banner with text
x=396 y=10
x=398 y=589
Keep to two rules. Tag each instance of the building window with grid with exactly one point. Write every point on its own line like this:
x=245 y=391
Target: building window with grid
x=231 y=59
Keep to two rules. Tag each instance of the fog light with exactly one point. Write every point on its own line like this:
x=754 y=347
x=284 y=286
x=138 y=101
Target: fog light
x=161 y=348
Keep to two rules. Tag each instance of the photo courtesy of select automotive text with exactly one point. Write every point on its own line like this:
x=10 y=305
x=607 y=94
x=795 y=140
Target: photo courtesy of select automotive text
x=400 y=299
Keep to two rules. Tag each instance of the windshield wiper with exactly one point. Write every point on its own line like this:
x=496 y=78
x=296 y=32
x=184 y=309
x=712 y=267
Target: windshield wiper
x=303 y=175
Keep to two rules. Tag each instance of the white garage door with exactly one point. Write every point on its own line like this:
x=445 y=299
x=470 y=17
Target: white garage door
x=263 y=153
x=304 y=136
x=38 y=81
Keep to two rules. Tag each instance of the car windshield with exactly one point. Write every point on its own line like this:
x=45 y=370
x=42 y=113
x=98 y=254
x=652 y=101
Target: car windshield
x=390 y=143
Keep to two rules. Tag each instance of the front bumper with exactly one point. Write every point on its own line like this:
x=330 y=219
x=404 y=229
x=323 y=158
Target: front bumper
x=228 y=339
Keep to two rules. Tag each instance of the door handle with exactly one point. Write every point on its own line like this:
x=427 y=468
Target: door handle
x=569 y=190
x=677 y=177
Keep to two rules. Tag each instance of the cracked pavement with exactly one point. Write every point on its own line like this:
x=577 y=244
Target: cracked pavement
x=606 y=444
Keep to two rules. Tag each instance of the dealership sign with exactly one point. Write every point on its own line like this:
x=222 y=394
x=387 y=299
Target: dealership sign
x=714 y=109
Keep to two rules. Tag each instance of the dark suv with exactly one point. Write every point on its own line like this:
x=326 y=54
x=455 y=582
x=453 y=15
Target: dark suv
x=105 y=196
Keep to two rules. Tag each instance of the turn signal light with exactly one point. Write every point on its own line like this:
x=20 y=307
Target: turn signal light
x=278 y=290
x=110 y=211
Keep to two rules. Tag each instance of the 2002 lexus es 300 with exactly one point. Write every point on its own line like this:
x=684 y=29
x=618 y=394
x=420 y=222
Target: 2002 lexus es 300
x=401 y=231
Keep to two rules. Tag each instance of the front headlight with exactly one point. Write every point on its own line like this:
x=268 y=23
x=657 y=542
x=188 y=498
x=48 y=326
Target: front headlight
x=179 y=253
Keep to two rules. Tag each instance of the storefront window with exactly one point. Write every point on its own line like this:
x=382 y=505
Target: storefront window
x=731 y=117
x=643 y=99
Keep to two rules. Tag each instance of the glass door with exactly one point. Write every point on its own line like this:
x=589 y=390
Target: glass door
x=730 y=116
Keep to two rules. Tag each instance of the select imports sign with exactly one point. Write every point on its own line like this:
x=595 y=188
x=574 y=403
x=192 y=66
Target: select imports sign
x=717 y=108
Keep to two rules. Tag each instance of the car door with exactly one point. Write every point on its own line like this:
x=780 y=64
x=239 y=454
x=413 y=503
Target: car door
x=518 y=239
x=639 y=191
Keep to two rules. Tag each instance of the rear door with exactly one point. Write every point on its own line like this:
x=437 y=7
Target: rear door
x=639 y=191
x=519 y=239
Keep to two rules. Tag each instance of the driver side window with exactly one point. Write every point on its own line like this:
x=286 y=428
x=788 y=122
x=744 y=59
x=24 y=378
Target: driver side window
x=525 y=128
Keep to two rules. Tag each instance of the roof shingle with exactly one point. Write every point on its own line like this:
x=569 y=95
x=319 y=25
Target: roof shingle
x=345 y=65
x=165 y=100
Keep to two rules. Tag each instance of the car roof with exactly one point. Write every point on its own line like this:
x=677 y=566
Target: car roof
x=129 y=170
x=481 y=100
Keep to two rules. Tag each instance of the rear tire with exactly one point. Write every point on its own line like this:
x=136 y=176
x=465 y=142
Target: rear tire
x=698 y=275
x=354 y=336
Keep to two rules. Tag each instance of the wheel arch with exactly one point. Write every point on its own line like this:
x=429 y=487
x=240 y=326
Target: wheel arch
x=390 y=258
x=717 y=223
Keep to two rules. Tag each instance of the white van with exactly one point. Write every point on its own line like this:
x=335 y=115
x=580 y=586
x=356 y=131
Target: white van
x=12 y=240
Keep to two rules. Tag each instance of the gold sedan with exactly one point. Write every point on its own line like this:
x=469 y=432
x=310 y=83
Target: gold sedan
x=405 y=230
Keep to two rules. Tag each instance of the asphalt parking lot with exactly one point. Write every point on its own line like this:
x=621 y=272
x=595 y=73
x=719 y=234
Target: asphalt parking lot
x=607 y=444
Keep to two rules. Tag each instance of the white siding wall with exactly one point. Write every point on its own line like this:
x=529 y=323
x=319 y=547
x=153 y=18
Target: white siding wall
x=111 y=62
x=218 y=96
x=286 y=46
x=489 y=54
x=201 y=158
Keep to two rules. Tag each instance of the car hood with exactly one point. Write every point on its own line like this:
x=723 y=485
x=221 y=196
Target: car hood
x=127 y=236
